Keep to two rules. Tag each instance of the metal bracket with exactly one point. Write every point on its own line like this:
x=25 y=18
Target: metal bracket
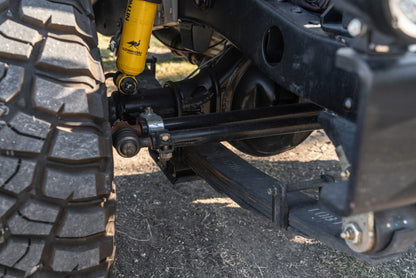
x=166 y=148
x=358 y=232
x=154 y=121
x=167 y=13
x=280 y=209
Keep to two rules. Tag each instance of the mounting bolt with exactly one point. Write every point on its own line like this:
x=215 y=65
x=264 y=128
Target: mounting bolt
x=273 y=192
x=148 y=111
x=345 y=174
x=164 y=137
x=352 y=233
x=348 y=234
x=165 y=154
x=348 y=103
x=128 y=85
x=113 y=46
x=357 y=28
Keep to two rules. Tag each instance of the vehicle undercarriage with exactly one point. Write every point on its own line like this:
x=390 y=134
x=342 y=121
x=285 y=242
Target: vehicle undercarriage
x=270 y=72
x=311 y=65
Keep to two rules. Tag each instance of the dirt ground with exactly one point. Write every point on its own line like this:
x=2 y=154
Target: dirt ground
x=191 y=230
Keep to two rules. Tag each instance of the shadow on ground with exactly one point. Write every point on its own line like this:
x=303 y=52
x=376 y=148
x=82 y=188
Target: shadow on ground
x=193 y=231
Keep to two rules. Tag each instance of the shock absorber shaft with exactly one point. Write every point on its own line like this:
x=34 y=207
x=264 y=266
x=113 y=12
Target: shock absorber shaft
x=134 y=43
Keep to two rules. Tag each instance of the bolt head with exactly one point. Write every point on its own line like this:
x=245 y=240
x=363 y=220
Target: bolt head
x=356 y=28
x=112 y=46
x=128 y=85
x=348 y=103
x=164 y=137
x=148 y=111
x=345 y=174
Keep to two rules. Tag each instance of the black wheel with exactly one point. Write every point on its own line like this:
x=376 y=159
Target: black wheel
x=56 y=198
x=249 y=89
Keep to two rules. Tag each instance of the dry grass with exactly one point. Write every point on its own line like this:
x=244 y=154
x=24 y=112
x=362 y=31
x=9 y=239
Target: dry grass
x=173 y=70
x=168 y=67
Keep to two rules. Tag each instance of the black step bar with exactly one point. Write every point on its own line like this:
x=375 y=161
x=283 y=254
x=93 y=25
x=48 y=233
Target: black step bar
x=285 y=204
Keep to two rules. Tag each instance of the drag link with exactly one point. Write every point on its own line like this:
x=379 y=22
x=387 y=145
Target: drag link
x=216 y=127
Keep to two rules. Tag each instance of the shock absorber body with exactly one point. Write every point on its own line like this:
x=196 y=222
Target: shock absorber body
x=134 y=43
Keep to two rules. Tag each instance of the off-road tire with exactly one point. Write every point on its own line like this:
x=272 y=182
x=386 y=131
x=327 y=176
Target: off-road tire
x=56 y=196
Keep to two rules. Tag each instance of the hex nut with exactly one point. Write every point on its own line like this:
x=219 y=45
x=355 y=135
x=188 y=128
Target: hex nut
x=352 y=233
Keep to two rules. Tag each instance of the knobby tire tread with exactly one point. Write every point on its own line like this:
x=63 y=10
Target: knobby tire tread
x=57 y=199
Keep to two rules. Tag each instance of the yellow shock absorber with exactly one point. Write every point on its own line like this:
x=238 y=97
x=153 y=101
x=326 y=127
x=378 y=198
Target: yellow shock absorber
x=135 y=39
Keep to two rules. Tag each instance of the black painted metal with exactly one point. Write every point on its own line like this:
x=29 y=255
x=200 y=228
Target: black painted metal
x=311 y=184
x=264 y=195
x=376 y=14
x=340 y=131
x=174 y=169
x=311 y=219
x=271 y=113
x=402 y=219
x=177 y=98
x=383 y=157
x=249 y=88
x=108 y=15
x=124 y=107
x=384 y=160
x=243 y=130
x=307 y=67
x=228 y=173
